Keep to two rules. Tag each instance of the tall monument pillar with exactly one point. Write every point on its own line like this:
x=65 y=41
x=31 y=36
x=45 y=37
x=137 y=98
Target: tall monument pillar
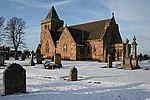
x=134 y=54
x=127 y=63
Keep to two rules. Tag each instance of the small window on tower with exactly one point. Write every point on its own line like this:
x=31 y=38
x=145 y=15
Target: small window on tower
x=45 y=26
x=94 y=47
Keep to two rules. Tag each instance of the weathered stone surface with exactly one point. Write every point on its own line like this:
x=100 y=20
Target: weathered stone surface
x=73 y=74
x=57 y=59
x=109 y=64
x=23 y=57
x=38 y=55
x=31 y=63
x=2 y=58
x=128 y=64
x=14 y=80
x=128 y=60
x=134 y=53
x=72 y=46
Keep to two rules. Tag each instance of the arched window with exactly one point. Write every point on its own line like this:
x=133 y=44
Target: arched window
x=65 y=47
x=94 y=47
x=47 y=47
x=45 y=26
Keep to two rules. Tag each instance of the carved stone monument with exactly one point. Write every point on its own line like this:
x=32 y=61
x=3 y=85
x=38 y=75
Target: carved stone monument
x=73 y=74
x=127 y=61
x=38 y=55
x=134 y=54
x=31 y=63
x=109 y=64
x=57 y=59
x=2 y=58
x=23 y=57
x=14 y=80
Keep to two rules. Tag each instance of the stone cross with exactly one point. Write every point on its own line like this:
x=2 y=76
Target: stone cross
x=134 y=48
x=73 y=74
x=134 y=54
x=14 y=79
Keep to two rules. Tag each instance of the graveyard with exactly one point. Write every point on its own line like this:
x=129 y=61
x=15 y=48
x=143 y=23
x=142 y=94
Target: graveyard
x=94 y=81
x=84 y=50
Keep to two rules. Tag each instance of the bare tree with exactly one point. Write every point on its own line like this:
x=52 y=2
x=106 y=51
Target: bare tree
x=1 y=27
x=14 y=33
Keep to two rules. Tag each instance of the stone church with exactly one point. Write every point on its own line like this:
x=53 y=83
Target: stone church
x=87 y=41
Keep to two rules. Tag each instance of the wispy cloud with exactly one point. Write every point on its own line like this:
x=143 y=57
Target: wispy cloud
x=34 y=3
x=132 y=10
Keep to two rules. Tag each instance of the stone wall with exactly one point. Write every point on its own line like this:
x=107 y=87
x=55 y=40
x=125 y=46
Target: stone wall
x=66 y=46
x=96 y=47
x=47 y=40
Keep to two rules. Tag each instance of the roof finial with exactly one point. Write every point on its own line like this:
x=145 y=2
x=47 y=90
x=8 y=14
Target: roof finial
x=113 y=14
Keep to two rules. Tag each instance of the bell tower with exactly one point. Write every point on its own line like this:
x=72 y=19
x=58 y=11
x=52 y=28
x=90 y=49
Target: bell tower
x=54 y=22
x=50 y=23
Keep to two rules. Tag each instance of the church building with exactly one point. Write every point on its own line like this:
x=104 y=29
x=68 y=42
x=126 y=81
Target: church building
x=87 y=41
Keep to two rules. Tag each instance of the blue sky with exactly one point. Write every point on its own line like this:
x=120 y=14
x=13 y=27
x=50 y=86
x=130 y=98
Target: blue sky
x=131 y=15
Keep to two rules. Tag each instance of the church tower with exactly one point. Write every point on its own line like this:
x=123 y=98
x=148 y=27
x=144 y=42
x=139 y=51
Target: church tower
x=54 y=22
x=50 y=23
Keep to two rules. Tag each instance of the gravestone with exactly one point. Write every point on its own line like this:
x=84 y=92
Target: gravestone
x=38 y=55
x=23 y=56
x=128 y=61
x=73 y=74
x=105 y=54
x=2 y=58
x=14 y=80
x=140 y=57
x=31 y=63
x=57 y=59
x=134 y=55
x=109 y=64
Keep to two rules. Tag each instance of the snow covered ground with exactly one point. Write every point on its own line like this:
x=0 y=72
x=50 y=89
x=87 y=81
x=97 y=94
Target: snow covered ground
x=95 y=82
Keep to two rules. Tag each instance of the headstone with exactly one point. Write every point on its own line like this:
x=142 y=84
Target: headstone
x=73 y=74
x=2 y=58
x=31 y=63
x=127 y=62
x=109 y=65
x=57 y=59
x=105 y=54
x=14 y=80
x=23 y=57
x=38 y=55
x=140 y=57
x=134 y=55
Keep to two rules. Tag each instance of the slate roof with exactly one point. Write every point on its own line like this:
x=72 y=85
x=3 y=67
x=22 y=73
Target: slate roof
x=52 y=14
x=55 y=35
x=93 y=30
x=88 y=31
x=78 y=35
